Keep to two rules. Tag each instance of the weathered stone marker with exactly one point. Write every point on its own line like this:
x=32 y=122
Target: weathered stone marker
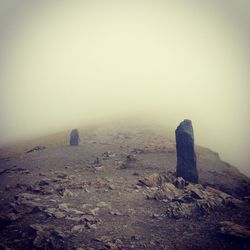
x=186 y=158
x=74 y=137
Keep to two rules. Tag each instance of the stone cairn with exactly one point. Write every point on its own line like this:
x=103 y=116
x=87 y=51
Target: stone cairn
x=186 y=157
x=74 y=137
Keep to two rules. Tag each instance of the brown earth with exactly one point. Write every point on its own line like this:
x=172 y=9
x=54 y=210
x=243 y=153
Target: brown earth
x=63 y=197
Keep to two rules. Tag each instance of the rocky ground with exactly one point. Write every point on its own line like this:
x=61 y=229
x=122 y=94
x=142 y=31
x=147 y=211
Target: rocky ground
x=117 y=190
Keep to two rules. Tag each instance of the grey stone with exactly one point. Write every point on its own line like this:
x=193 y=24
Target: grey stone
x=77 y=228
x=36 y=148
x=97 y=161
x=74 y=137
x=233 y=229
x=186 y=157
x=179 y=210
x=166 y=192
x=64 y=192
x=130 y=158
x=179 y=183
x=48 y=237
x=153 y=180
x=53 y=212
x=43 y=182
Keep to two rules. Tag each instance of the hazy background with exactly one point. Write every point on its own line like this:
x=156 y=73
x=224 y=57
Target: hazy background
x=63 y=63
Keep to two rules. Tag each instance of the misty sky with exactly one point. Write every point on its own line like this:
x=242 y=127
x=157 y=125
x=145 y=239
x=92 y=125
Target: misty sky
x=64 y=63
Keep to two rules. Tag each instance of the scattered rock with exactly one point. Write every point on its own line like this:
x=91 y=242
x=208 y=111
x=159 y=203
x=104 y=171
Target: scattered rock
x=64 y=206
x=112 y=246
x=30 y=201
x=179 y=183
x=7 y=218
x=14 y=169
x=186 y=157
x=135 y=237
x=166 y=192
x=91 y=226
x=100 y=183
x=97 y=161
x=118 y=242
x=80 y=248
x=157 y=180
x=179 y=210
x=130 y=159
x=74 y=185
x=42 y=174
x=107 y=155
x=137 y=151
x=111 y=186
x=129 y=214
x=75 y=211
x=41 y=187
x=153 y=180
x=25 y=196
x=102 y=204
x=115 y=212
x=48 y=237
x=62 y=176
x=53 y=212
x=232 y=229
x=44 y=182
x=152 y=148
x=36 y=148
x=191 y=199
x=77 y=229
x=197 y=191
x=156 y=216
x=64 y=192
x=99 y=167
x=94 y=211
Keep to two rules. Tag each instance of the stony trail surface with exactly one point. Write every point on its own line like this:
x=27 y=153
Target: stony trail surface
x=117 y=190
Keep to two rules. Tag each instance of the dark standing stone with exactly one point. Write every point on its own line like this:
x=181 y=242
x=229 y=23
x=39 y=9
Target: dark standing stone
x=74 y=137
x=186 y=158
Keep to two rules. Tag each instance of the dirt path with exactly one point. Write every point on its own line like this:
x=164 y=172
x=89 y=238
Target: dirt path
x=88 y=197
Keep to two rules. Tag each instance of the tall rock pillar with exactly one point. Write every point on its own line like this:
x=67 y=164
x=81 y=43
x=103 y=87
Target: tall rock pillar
x=186 y=157
x=74 y=137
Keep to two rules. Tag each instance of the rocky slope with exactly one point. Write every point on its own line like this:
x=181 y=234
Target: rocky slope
x=117 y=190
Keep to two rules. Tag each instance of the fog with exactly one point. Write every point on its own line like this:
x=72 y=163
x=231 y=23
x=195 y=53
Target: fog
x=65 y=63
